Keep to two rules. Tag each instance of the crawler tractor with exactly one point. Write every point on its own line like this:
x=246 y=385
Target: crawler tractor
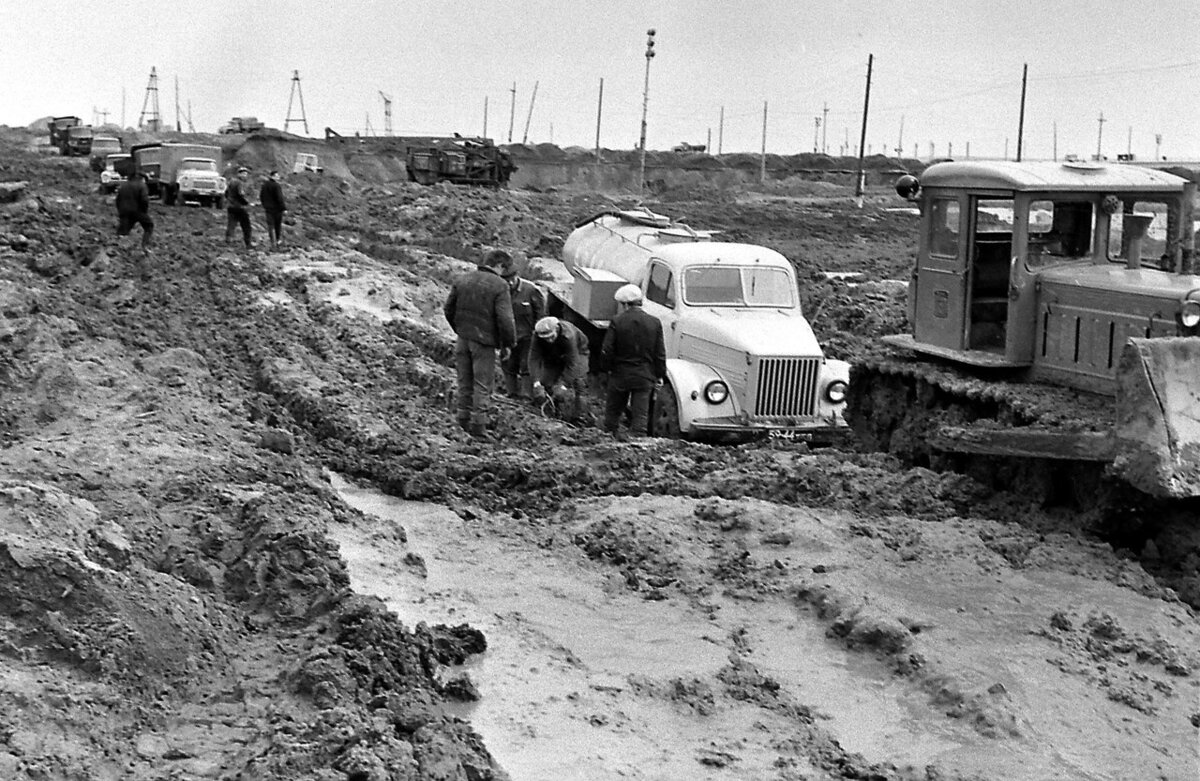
x=1054 y=320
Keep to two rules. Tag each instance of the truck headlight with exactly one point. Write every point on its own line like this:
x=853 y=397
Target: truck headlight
x=716 y=392
x=836 y=391
x=1189 y=313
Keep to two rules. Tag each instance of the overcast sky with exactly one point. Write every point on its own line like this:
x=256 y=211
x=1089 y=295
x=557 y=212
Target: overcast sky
x=946 y=72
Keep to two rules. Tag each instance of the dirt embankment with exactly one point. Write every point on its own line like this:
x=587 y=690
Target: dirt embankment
x=174 y=603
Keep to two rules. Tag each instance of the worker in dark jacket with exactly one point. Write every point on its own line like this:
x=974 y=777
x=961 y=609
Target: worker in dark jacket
x=133 y=208
x=635 y=356
x=270 y=195
x=528 y=306
x=558 y=361
x=237 y=207
x=479 y=311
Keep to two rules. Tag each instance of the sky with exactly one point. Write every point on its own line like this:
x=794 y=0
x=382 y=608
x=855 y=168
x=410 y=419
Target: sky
x=946 y=75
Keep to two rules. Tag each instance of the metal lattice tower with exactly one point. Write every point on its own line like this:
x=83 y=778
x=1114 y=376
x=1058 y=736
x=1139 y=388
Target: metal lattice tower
x=296 y=93
x=387 y=113
x=150 y=118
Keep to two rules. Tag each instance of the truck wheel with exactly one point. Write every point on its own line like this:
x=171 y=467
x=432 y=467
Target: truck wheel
x=666 y=413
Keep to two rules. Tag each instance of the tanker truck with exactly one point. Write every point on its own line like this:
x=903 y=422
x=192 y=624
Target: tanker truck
x=742 y=360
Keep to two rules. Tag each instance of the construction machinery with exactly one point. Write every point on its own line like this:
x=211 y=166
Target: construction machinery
x=181 y=172
x=243 y=125
x=75 y=140
x=459 y=160
x=742 y=360
x=1054 y=318
x=685 y=148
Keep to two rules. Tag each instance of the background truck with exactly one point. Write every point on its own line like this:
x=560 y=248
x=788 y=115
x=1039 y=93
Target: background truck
x=181 y=172
x=76 y=141
x=58 y=128
x=459 y=160
x=741 y=357
x=686 y=148
x=117 y=168
x=102 y=147
x=241 y=125
x=1054 y=314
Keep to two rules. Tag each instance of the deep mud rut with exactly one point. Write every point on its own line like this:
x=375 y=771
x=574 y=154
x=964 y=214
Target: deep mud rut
x=205 y=578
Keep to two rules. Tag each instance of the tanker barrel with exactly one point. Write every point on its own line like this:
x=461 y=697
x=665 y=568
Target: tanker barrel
x=1136 y=225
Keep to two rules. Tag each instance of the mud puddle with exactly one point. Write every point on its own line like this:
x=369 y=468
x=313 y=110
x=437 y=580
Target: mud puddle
x=583 y=679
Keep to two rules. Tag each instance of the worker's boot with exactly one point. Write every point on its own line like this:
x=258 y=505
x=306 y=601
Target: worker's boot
x=511 y=386
x=525 y=387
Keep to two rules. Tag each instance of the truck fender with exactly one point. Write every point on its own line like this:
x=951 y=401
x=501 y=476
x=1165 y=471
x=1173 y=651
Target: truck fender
x=688 y=379
x=832 y=371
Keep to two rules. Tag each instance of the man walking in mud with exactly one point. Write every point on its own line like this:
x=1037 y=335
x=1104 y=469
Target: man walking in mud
x=237 y=206
x=558 y=361
x=479 y=310
x=635 y=356
x=270 y=195
x=528 y=307
x=133 y=208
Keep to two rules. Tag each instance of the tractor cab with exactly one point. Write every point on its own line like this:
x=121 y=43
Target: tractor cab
x=997 y=235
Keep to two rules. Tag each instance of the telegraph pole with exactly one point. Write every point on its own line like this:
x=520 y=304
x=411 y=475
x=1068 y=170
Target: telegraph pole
x=762 y=160
x=529 y=116
x=721 y=131
x=178 y=118
x=1100 y=135
x=599 y=111
x=900 y=142
x=512 y=112
x=485 y=117
x=1157 y=145
x=1021 y=122
x=858 y=183
x=824 y=126
x=645 y=105
x=1129 y=144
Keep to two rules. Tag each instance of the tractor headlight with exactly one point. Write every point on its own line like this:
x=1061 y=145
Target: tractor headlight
x=716 y=392
x=836 y=391
x=1189 y=314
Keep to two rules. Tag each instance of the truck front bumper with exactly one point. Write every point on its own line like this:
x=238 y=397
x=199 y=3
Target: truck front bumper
x=820 y=431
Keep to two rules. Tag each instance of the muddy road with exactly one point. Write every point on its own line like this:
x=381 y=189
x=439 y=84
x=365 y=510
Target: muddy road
x=244 y=539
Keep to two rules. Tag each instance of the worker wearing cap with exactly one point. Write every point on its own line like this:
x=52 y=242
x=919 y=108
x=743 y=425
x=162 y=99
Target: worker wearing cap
x=237 y=206
x=634 y=354
x=133 y=208
x=528 y=307
x=558 y=361
x=479 y=310
x=270 y=196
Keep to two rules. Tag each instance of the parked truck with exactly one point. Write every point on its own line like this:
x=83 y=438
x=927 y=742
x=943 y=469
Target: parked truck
x=102 y=147
x=117 y=168
x=76 y=141
x=58 y=127
x=241 y=125
x=181 y=172
x=742 y=359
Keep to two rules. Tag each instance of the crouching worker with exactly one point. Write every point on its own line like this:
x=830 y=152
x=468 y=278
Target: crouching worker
x=558 y=363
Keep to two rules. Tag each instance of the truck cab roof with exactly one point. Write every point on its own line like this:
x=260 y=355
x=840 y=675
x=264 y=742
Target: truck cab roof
x=1068 y=176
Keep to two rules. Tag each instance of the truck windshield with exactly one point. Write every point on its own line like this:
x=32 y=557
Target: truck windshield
x=738 y=286
x=198 y=165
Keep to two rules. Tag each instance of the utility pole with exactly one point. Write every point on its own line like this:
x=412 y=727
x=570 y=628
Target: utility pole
x=1100 y=136
x=645 y=106
x=1055 y=140
x=529 y=116
x=387 y=113
x=824 y=126
x=721 y=132
x=150 y=118
x=178 y=123
x=599 y=112
x=191 y=127
x=858 y=179
x=367 y=129
x=1129 y=143
x=900 y=142
x=950 y=149
x=296 y=93
x=762 y=160
x=816 y=134
x=1157 y=145
x=551 y=132
x=708 y=144
x=485 y=113
x=512 y=113
x=968 y=150
x=1006 y=147
x=1021 y=122
x=122 y=108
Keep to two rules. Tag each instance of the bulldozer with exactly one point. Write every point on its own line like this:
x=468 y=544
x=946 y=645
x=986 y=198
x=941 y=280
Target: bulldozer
x=459 y=160
x=1054 y=313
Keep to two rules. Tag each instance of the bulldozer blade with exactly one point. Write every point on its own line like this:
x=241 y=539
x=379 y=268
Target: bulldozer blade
x=1158 y=416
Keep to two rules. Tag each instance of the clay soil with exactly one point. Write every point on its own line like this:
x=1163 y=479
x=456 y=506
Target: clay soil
x=242 y=538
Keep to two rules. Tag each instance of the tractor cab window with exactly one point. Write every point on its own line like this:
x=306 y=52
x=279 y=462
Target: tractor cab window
x=659 y=288
x=943 y=231
x=1059 y=231
x=1134 y=218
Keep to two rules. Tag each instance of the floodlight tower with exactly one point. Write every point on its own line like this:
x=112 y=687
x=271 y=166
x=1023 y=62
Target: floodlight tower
x=645 y=105
x=387 y=113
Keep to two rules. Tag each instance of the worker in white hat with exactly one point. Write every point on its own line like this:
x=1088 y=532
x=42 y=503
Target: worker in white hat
x=635 y=356
x=558 y=363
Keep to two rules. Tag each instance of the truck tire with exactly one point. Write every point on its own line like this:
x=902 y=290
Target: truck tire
x=665 y=415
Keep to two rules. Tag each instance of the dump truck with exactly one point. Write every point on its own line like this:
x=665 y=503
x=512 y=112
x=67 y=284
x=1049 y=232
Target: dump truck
x=459 y=160
x=685 y=148
x=1054 y=318
x=76 y=141
x=102 y=147
x=742 y=360
x=241 y=125
x=179 y=173
x=58 y=127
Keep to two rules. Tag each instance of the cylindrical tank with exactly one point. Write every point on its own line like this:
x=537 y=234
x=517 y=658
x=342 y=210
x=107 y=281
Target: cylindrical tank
x=621 y=243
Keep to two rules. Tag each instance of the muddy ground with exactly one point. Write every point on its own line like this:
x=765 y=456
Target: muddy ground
x=243 y=539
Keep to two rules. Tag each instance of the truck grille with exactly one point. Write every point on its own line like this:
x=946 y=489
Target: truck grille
x=786 y=387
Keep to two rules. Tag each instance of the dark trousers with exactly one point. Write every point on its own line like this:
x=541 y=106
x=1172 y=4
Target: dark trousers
x=516 y=369
x=126 y=221
x=475 y=363
x=638 y=401
x=275 y=226
x=238 y=217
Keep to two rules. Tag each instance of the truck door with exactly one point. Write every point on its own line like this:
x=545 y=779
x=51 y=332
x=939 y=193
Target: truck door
x=940 y=317
x=661 y=299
